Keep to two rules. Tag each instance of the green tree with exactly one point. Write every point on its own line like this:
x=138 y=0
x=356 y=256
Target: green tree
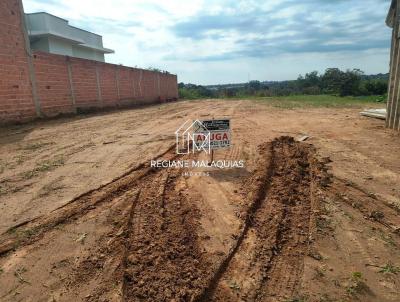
x=332 y=80
x=350 y=82
x=375 y=87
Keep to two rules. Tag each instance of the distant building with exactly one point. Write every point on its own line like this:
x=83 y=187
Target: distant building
x=54 y=35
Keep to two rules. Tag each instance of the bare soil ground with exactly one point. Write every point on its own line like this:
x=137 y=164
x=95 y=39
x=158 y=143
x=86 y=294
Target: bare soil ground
x=83 y=217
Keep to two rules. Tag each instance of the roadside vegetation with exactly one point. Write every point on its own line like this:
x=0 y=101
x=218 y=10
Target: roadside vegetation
x=322 y=101
x=333 y=88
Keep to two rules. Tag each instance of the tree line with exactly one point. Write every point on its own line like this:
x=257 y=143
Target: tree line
x=333 y=82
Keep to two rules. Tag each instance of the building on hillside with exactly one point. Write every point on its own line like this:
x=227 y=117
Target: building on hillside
x=393 y=103
x=52 y=34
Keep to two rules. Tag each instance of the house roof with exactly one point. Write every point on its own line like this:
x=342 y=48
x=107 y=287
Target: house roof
x=44 y=24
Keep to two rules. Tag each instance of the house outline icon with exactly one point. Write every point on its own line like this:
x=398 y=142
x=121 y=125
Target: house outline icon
x=184 y=139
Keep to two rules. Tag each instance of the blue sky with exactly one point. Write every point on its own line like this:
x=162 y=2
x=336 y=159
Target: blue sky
x=228 y=41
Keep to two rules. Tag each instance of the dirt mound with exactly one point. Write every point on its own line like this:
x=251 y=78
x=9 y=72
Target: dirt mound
x=267 y=262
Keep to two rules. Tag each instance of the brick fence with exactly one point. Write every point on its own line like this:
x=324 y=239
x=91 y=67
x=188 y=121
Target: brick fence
x=40 y=84
x=66 y=84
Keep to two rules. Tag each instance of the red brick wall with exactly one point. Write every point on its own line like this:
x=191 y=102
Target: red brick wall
x=16 y=100
x=52 y=84
x=126 y=83
x=138 y=75
x=84 y=82
x=96 y=84
x=64 y=84
x=108 y=84
x=149 y=84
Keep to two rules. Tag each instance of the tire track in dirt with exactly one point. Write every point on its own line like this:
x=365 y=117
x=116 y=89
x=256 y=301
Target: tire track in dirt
x=165 y=261
x=266 y=262
x=372 y=208
x=283 y=222
x=30 y=231
x=154 y=252
x=157 y=247
x=98 y=276
x=129 y=228
x=260 y=182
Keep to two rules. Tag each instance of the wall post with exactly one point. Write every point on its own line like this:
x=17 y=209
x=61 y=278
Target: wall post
x=158 y=83
x=99 y=96
x=133 y=83
x=117 y=82
x=71 y=83
x=31 y=68
x=140 y=82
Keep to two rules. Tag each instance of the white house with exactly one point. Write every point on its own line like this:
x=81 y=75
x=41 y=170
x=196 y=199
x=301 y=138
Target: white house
x=54 y=35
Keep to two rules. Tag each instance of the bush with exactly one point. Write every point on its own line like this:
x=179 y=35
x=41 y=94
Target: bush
x=375 y=87
x=313 y=90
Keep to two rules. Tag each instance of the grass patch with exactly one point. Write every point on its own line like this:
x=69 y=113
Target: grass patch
x=317 y=101
x=29 y=233
x=81 y=238
x=356 y=284
x=319 y=273
x=390 y=269
x=43 y=167
x=20 y=159
x=35 y=146
x=387 y=238
x=18 y=274
x=4 y=166
x=3 y=190
x=24 y=235
x=234 y=286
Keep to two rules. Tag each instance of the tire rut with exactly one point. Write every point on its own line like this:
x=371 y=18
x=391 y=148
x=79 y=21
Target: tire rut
x=165 y=261
x=31 y=231
x=267 y=262
x=154 y=253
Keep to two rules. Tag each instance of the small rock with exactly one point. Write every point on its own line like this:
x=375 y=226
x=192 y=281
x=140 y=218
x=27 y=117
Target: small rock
x=396 y=230
x=376 y=215
x=315 y=255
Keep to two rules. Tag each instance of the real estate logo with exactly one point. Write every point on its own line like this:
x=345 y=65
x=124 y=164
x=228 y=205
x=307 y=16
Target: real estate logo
x=201 y=136
x=204 y=136
x=187 y=138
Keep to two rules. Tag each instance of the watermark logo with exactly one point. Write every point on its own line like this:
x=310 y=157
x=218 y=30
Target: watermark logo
x=193 y=136
x=201 y=136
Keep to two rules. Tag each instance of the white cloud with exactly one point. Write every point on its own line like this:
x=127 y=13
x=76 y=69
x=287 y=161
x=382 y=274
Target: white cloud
x=270 y=39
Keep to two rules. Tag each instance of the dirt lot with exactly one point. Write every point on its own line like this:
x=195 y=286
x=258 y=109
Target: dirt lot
x=84 y=218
